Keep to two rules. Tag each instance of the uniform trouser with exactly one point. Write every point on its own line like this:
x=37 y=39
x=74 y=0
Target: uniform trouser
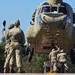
x=11 y=62
x=61 y=67
x=18 y=56
x=54 y=66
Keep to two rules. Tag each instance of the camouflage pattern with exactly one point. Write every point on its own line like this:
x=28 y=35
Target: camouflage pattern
x=7 y=51
x=53 y=59
x=62 y=58
x=46 y=66
x=7 y=44
x=17 y=22
x=10 y=26
x=17 y=41
x=15 y=48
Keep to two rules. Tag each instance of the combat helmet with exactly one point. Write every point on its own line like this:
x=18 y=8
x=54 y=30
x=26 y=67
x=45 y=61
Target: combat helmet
x=17 y=22
x=10 y=26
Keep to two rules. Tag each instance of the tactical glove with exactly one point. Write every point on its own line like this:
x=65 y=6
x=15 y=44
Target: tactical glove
x=4 y=23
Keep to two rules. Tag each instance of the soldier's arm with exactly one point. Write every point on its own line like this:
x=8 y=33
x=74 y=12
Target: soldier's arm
x=3 y=30
x=50 y=56
x=5 y=33
x=57 y=49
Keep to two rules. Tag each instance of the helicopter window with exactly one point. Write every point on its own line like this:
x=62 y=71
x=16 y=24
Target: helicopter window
x=62 y=10
x=54 y=9
x=45 y=3
x=45 y=9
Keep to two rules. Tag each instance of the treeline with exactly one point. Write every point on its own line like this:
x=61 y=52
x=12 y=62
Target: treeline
x=36 y=64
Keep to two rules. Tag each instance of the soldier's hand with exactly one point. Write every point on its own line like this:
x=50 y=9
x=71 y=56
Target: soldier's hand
x=4 y=23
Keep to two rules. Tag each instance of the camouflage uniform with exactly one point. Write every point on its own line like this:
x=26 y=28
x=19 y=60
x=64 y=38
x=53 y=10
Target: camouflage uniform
x=53 y=59
x=17 y=41
x=7 y=44
x=61 y=57
x=46 y=66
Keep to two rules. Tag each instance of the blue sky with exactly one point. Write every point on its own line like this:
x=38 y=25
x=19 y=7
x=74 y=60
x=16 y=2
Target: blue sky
x=11 y=10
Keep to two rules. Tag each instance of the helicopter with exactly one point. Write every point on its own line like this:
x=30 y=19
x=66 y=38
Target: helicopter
x=52 y=25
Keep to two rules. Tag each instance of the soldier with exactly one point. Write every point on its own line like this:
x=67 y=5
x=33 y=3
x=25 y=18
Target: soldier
x=7 y=43
x=17 y=41
x=62 y=58
x=46 y=66
x=72 y=55
x=29 y=51
x=11 y=62
x=53 y=59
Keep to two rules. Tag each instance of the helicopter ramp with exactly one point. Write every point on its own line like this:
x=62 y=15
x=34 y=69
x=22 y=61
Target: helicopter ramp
x=37 y=74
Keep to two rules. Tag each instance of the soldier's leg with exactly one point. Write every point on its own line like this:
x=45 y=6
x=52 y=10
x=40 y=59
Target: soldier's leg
x=51 y=67
x=66 y=67
x=5 y=55
x=62 y=67
x=7 y=59
x=59 y=67
x=11 y=64
x=18 y=61
x=44 y=69
x=55 y=67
